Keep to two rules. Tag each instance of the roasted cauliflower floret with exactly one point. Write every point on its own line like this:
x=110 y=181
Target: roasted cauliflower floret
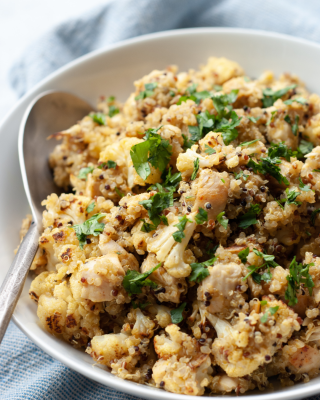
x=167 y=250
x=218 y=288
x=169 y=288
x=242 y=348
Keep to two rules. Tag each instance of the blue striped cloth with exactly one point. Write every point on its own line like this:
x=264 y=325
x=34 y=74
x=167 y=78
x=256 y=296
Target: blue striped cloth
x=26 y=372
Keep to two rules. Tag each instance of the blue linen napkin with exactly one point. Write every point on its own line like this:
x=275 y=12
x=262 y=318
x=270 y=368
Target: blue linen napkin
x=26 y=372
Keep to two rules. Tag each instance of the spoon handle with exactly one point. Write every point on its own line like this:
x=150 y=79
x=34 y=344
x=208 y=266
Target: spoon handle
x=13 y=282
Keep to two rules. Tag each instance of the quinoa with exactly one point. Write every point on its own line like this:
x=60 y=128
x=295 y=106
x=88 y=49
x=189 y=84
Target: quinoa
x=186 y=256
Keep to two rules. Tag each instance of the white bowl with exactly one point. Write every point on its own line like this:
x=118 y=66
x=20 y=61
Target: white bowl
x=112 y=71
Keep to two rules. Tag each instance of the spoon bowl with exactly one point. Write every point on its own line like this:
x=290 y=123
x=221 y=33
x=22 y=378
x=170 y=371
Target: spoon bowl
x=49 y=113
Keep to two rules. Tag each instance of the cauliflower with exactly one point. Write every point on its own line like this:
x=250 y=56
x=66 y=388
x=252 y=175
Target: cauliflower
x=218 y=288
x=170 y=288
x=167 y=250
x=61 y=312
x=182 y=368
x=101 y=278
x=67 y=209
x=242 y=348
x=161 y=314
x=122 y=352
x=143 y=325
x=309 y=169
x=185 y=161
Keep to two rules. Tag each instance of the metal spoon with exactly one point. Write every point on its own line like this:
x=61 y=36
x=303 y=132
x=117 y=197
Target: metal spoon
x=50 y=112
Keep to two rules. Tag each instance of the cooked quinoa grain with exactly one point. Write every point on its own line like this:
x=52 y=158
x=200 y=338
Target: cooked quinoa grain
x=187 y=255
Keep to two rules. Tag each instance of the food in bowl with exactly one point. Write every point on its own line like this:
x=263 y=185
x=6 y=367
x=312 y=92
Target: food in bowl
x=185 y=252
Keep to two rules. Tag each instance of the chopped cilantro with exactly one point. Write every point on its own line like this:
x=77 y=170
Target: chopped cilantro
x=222 y=180
x=223 y=221
x=209 y=150
x=269 y=166
x=91 y=226
x=187 y=143
x=154 y=150
x=156 y=204
x=83 y=173
x=243 y=254
x=298 y=273
x=172 y=93
x=192 y=94
x=110 y=99
x=134 y=280
x=316 y=170
x=292 y=194
x=250 y=218
x=303 y=187
x=111 y=164
x=268 y=263
x=195 y=169
x=176 y=315
x=281 y=150
x=148 y=92
x=179 y=234
x=300 y=100
x=263 y=302
x=171 y=181
x=146 y=227
x=273 y=115
x=211 y=251
x=294 y=126
x=217 y=88
x=200 y=270
x=254 y=120
x=272 y=311
x=270 y=96
x=249 y=143
x=113 y=110
x=90 y=207
x=98 y=118
x=240 y=175
x=201 y=217
x=305 y=147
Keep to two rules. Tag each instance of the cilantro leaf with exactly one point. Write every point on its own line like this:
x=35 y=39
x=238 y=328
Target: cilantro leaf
x=249 y=143
x=179 y=234
x=209 y=150
x=187 y=143
x=241 y=174
x=281 y=150
x=268 y=258
x=111 y=164
x=292 y=194
x=298 y=273
x=154 y=150
x=300 y=100
x=271 y=311
x=217 y=88
x=269 y=166
x=146 y=227
x=195 y=169
x=113 y=110
x=303 y=187
x=171 y=181
x=243 y=254
x=156 y=204
x=200 y=270
x=91 y=226
x=148 y=92
x=98 y=118
x=250 y=218
x=134 y=280
x=90 y=207
x=254 y=120
x=223 y=221
x=294 y=126
x=176 y=315
x=201 y=217
x=270 y=96
x=83 y=173
x=305 y=147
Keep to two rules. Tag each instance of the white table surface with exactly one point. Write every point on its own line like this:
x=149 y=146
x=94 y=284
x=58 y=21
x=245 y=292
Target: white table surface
x=21 y=23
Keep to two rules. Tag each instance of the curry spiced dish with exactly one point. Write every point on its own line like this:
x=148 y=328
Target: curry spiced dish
x=185 y=252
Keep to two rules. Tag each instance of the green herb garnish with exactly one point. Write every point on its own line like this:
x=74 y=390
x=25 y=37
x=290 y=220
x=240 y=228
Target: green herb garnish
x=298 y=273
x=201 y=217
x=134 y=280
x=195 y=169
x=91 y=226
x=176 y=315
x=270 y=96
x=250 y=218
x=179 y=234
x=223 y=221
x=148 y=92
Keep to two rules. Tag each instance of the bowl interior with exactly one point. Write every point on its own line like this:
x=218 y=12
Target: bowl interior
x=112 y=72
